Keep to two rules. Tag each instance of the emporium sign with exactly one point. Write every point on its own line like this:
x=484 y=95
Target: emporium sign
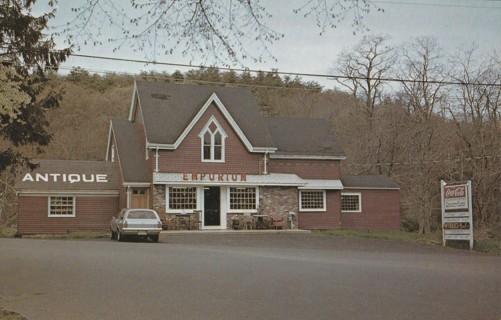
x=215 y=177
x=457 y=212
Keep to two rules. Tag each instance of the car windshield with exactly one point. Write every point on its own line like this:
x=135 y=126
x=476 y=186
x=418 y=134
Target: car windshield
x=141 y=214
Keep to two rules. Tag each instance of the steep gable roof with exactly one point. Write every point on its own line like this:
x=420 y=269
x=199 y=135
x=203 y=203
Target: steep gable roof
x=169 y=109
x=130 y=151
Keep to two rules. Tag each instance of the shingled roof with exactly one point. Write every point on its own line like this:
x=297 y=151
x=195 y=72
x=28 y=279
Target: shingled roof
x=168 y=109
x=303 y=137
x=130 y=151
x=380 y=181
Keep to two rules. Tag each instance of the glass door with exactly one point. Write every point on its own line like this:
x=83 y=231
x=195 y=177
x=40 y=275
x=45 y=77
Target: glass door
x=212 y=206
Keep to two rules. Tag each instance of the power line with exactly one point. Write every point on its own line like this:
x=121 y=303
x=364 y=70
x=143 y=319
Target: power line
x=285 y=73
x=429 y=4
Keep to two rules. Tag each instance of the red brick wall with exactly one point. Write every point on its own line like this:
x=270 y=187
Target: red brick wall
x=307 y=169
x=187 y=157
x=329 y=219
x=380 y=211
x=92 y=214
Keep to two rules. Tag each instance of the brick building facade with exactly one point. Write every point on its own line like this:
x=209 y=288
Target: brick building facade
x=208 y=154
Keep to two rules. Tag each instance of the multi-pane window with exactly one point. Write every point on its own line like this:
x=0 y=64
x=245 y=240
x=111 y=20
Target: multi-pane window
x=351 y=202
x=213 y=143
x=313 y=200
x=61 y=206
x=243 y=199
x=181 y=198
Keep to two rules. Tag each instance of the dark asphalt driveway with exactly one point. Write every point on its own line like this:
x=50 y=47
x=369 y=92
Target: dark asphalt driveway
x=284 y=276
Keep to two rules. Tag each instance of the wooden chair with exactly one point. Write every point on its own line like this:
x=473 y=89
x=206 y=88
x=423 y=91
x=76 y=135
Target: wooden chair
x=248 y=222
x=278 y=221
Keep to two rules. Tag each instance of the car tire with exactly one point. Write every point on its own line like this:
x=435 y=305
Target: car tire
x=120 y=237
x=155 y=238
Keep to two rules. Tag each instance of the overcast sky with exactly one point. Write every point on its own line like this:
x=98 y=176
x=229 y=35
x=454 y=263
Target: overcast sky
x=455 y=24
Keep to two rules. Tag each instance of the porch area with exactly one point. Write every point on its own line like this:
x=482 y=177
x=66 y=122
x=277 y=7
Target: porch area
x=193 y=221
x=240 y=232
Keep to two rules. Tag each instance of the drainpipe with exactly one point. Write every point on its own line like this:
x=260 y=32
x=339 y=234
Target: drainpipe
x=265 y=163
x=128 y=196
x=156 y=160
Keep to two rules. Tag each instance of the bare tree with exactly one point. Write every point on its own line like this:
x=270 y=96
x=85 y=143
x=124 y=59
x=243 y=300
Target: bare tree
x=234 y=30
x=477 y=117
x=363 y=69
x=423 y=97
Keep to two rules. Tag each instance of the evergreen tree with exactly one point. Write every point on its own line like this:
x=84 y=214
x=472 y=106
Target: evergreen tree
x=26 y=55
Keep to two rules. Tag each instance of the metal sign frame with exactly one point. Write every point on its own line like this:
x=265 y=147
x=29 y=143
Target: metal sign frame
x=457 y=223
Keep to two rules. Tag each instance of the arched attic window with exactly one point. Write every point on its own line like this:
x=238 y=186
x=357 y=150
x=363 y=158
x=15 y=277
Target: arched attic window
x=212 y=137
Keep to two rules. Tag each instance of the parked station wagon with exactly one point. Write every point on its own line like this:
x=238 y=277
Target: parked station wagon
x=139 y=223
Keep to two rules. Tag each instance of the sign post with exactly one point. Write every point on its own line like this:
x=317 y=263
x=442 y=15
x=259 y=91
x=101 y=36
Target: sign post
x=457 y=212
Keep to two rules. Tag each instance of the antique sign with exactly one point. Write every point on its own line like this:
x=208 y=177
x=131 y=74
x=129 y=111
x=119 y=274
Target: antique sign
x=63 y=177
x=457 y=213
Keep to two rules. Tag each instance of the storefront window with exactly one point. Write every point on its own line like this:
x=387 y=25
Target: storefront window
x=61 y=206
x=351 y=202
x=312 y=200
x=181 y=198
x=243 y=199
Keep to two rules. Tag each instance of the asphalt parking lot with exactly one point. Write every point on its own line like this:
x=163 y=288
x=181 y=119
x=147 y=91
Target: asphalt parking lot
x=283 y=276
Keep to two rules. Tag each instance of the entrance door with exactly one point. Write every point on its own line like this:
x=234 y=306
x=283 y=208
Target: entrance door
x=212 y=203
x=139 y=198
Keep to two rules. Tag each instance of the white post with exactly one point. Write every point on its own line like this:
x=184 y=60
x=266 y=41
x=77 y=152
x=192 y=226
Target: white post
x=470 y=209
x=442 y=185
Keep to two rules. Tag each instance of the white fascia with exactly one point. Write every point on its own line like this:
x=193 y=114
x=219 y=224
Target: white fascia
x=306 y=157
x=136 y=184
x=132 y=105
x=109 y=142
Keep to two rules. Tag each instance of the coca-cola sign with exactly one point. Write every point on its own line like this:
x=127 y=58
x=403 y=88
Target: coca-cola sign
x=455 y=191
x=456 y=197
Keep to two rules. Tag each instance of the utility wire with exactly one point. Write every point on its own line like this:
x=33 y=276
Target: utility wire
x=300 y=74
x=430 y=4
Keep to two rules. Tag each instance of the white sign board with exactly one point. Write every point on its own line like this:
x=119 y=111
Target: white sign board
x=457 y=213
x=456 y=197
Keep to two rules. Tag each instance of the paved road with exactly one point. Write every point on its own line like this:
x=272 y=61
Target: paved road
x=246 y=277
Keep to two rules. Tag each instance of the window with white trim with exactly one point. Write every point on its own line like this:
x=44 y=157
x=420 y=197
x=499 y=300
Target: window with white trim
x=182 y=198
x=61 y=206
x=212 y=137
x=312 y=200
x=351 y=202
x=242 y=199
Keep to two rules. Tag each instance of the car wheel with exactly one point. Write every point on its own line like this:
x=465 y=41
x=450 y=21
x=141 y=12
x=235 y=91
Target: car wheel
x=120 y=237
x=155 y=238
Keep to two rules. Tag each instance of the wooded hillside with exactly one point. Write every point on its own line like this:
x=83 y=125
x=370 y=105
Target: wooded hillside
x=395 y=137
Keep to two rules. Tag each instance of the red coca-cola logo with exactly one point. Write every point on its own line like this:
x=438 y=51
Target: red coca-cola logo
x=455 y=192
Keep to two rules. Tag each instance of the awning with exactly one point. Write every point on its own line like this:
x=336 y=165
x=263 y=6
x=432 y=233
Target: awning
x=273 y=179
x=323 y=185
